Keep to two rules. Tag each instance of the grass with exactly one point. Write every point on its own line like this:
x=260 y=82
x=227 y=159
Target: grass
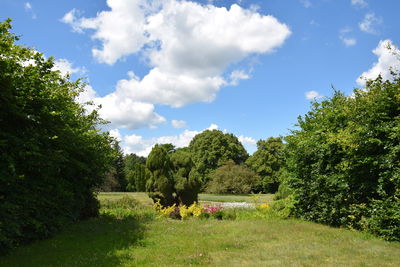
x=128 y=234
x=249 y=198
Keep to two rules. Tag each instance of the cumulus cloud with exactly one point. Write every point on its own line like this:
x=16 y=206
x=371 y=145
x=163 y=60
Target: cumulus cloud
x=388 y=59
x=65 y=67
x=359 y=3
x=140 y=146
x=188 y=47
x=178 y=124
x=245 y=140
x=369 y=23
x=127 y=113
x=312 y=95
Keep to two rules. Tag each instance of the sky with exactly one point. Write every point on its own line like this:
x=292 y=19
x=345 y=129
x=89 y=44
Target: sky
x=166 y=70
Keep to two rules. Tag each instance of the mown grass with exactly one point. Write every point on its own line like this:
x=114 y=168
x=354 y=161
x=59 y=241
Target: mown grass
x=128 y=234
x=249 y=198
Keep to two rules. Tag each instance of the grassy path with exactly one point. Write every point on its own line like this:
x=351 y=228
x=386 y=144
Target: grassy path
x=138 y=239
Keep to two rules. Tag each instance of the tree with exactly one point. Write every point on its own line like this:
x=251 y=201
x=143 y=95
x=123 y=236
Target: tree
x=161 y=182
x=52 y=154
x=173 y=179
x=187 y=179
x=233 y=179
x=136 y=172
x=211 y=149
x=268 y=162
x=119 y=166
x=344 y=160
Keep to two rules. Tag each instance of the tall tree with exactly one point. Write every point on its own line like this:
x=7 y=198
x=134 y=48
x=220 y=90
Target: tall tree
x=211 y=149
x=119 y=166
x=268 y=161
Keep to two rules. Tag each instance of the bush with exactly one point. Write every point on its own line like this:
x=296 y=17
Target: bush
x=52 y=155
x=343 y=160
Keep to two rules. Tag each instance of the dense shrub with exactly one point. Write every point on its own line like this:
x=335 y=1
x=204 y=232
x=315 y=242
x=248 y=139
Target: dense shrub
x=52 y=155
x=233 y=178
x=344 y=160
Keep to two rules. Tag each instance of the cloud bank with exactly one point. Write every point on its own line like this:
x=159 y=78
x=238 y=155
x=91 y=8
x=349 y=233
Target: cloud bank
x=188 y=47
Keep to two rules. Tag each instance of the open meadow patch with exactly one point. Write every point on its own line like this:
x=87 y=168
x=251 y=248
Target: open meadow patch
x=129 y=233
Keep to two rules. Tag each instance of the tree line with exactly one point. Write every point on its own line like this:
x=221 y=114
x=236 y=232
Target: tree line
x=214 y=162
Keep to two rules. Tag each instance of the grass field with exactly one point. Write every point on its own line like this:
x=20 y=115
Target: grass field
x=125 y=236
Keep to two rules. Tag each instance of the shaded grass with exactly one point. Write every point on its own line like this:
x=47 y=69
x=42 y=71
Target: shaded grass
x=94 y=242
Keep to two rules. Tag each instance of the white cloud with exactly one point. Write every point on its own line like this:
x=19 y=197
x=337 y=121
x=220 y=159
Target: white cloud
x=116 y=134
x=388 y=59
x=369 y=23
x=142 y=147
x=127 y=113
x=247 y=140
x=359 y=3
x=238 y=75
x=88 y=95
x=347 y=41
x=306 y=3
x=188 y=46
x=312 y=95
x=178 y=124
x=65 y=67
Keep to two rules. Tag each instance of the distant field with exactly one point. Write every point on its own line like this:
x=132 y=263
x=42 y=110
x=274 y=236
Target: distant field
x=143 y=198
x=124 y=236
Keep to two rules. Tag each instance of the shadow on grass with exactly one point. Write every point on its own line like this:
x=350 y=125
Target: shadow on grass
x=94 y=242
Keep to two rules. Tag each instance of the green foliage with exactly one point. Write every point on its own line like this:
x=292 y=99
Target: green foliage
x=173 y=179
x=136 y=173
x=161 y=182
x=344 y=160
x=211 y=149
x=268 y=161
x=137 y=178
x=52 y=155
x=187 y=179
x=233 y=179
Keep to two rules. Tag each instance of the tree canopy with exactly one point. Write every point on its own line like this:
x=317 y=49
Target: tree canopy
x=268 y=162
x=52 y=154
x=211 y=149
x=231 y=178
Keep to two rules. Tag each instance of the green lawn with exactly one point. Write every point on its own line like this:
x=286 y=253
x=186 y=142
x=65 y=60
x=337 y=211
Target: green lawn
x=135 y=237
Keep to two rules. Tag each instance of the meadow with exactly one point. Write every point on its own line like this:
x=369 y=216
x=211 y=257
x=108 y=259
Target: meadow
x=129 y=233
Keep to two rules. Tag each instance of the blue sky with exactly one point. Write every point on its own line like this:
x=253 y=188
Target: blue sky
x=166 y=70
